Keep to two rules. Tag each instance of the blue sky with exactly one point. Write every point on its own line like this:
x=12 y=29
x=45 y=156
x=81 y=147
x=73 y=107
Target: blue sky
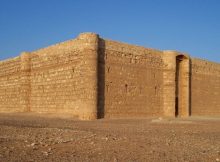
x=191 y=26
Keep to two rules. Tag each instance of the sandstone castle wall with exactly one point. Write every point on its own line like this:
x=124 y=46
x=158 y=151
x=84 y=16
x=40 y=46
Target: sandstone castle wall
x=205 y=88
x=133 y=80
x=91 y=78
x=10 y=86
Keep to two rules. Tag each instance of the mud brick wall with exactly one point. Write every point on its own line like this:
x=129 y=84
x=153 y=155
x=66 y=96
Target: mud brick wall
x=133 y=80
x=10 y=86
x=205 y=88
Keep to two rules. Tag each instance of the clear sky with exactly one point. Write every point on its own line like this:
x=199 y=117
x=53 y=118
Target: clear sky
x=191 y=26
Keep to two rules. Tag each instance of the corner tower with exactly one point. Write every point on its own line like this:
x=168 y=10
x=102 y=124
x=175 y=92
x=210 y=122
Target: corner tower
x=90 y=44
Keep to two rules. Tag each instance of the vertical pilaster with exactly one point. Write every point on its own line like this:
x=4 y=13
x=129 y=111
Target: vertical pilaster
x=25 y=88
x=169 y=83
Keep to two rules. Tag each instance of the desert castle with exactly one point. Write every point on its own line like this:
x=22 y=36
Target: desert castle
x=91 y=77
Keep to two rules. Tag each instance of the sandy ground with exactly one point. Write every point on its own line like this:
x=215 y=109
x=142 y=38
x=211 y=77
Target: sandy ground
x=27 y=137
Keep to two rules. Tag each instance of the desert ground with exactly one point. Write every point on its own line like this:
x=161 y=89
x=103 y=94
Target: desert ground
x=31 y=137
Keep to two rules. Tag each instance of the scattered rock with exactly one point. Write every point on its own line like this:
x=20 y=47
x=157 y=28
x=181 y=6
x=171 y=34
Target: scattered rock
x=65 y=141
x=105 y=138
x=35 y=148
x=144 y=141
x=33 y=144
x=167 y=143
x=115 y=159
x=45 y=153
x=204 y=151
